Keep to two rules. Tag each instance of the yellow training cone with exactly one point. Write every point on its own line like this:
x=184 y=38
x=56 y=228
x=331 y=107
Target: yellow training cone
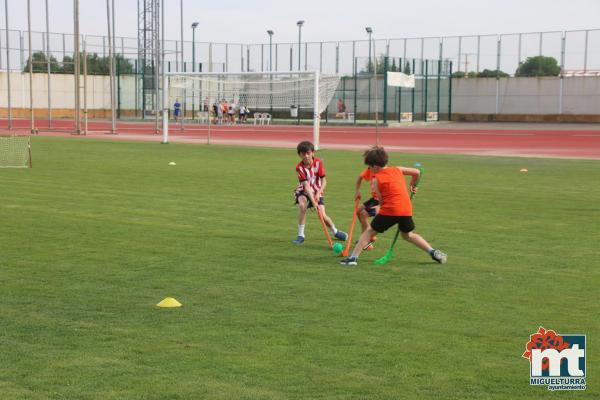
x=169 y=302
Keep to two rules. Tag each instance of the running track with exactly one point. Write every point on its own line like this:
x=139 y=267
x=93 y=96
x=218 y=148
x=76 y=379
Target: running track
x=525 y=140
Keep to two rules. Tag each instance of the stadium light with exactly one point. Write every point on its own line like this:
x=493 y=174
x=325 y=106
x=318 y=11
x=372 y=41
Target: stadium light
x=299 y=23
x=270 y=32
x=194 y=26
x=370 y=32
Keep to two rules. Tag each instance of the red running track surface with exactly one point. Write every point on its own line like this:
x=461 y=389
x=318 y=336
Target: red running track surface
x=528 y=140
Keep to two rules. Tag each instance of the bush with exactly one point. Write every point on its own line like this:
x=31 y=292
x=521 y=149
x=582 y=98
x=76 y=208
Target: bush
x=538 y=66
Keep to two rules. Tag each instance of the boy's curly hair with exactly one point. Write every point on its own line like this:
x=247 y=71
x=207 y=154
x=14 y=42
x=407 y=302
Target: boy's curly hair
x=305 y=147
x=376 y=156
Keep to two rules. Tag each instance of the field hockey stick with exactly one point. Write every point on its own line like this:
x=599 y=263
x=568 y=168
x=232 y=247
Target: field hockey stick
x=316 y=207
x=347 y=249
x=421 y=172
x=390 y=252
x=388 y=255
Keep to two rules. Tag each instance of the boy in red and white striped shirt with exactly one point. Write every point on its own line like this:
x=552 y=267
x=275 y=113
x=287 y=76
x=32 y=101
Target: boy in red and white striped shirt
x=312 y=183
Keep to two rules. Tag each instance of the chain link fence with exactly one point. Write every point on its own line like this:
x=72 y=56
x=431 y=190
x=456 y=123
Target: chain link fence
x=577 y=54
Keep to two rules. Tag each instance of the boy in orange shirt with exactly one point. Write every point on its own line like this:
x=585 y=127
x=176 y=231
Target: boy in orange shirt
x=395 y=205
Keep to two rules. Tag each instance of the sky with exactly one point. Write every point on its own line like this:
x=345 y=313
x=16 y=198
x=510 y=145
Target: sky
x=247 y=21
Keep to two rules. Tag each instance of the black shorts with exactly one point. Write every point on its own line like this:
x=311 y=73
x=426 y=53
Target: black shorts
x=382 y=223
x=321 y=200
x=370 y=206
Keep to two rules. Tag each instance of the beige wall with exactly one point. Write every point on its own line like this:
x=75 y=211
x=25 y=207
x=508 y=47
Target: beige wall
x=532 y=96
x=517 y=96
x=62 y=89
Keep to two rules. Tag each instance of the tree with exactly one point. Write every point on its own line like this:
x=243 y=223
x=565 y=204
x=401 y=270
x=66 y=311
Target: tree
x=492 y=73
x=407 y=68
x=40 y=63
x=538 y=66
x=486 y=73
x=95 y=65
x=369 y=67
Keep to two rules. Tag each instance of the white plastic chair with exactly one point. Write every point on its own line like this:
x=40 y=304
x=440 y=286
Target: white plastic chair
x=202 y=117
x=257 y=118
x=267 y=119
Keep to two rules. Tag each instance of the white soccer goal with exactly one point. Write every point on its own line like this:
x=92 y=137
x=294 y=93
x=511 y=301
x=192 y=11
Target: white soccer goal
x=15 y=152
x=278 y=92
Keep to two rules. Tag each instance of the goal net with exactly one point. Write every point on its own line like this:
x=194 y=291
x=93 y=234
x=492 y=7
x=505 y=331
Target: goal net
x=15 y=152
x=283 y=95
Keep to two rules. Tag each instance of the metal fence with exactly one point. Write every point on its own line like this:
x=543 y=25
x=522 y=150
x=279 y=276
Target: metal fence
x=574 y=50
x=577 y=54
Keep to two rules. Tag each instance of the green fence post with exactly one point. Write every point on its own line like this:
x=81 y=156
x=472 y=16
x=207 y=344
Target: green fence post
x=137 y=90
x=118 y=88
x=385 y=80
x=450 y=94
x=426 y=88
x=439 y=81
x=355 y=90
x=400 y=94
x=413 y=92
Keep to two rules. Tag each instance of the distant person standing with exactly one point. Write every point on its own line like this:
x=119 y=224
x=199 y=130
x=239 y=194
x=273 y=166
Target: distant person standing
x=341 y=106
x=231 y=112
x=242 y=114
x=177 y=110
x=219 y=113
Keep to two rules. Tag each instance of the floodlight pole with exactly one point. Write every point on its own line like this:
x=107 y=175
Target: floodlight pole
x=165 y=91
x=374 y=66
x=194 y=26
x=8 y=65
x=110 y=64
x=299 y=23
x=76 y=68
x=270 y=32
x=113 y=72
x=157 y=65
x=370 y=32
x=48 y=66
x=33 y=130
x=181 y=27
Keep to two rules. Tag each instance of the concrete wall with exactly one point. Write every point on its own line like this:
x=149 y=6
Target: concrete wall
x=62 y=90
x=527 y=96
x=524 y=99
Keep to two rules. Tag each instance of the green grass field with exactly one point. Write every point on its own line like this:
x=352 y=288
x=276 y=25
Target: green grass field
x=99 y=232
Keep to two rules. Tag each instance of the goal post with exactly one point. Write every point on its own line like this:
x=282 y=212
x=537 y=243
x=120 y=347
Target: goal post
x=274 y=93
x=15 y=151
